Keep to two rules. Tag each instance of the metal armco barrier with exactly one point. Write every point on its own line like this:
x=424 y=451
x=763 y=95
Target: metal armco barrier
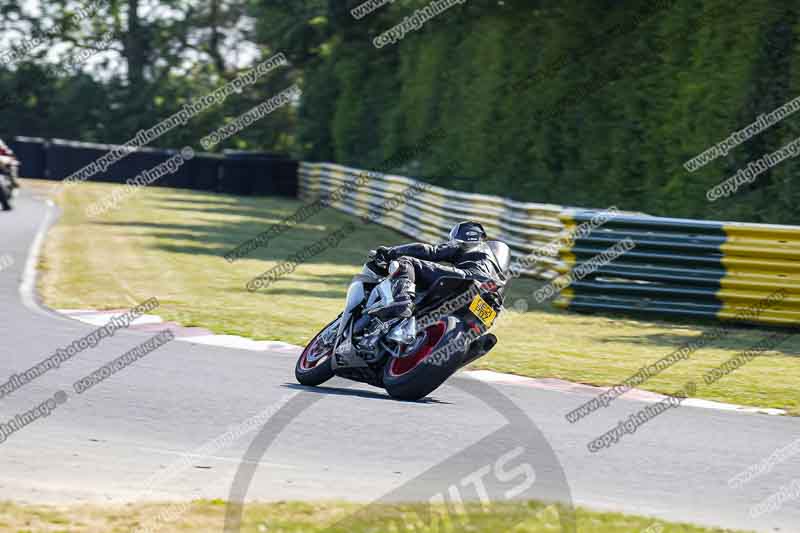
x=430 y=213
x=685 y=268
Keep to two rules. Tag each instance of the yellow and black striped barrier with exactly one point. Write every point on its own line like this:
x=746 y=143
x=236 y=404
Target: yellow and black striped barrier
x=431 y=211
x=684 y=268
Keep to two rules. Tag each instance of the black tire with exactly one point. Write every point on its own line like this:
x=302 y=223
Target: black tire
x=5 y=198
x=318 y=373
x=427 y=370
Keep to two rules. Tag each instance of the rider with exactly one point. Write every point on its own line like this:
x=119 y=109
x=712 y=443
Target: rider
x=8 y=158
x=466 y=250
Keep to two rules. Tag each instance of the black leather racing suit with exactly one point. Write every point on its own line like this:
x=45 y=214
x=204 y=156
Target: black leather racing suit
x=420 y=263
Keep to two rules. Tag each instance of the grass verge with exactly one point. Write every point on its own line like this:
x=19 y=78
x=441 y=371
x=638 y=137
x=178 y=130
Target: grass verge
x=287 y=517
x=169 y=243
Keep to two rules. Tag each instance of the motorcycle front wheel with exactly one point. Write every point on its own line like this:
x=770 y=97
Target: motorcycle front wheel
x=313 y=367
x=5 y=198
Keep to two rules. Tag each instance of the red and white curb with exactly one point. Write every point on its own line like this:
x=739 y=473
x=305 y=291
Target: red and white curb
x=154 y=323
x=634 y=394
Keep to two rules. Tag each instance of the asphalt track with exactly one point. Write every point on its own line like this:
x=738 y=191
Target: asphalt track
x=352 y=444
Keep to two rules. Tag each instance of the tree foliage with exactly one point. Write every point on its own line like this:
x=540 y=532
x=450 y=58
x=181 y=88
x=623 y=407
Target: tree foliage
x=588 y=103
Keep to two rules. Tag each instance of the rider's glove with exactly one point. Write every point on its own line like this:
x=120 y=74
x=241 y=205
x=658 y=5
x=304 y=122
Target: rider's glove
x=384 y=254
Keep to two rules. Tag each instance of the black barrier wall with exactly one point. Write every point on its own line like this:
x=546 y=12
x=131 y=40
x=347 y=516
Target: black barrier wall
x=235 y=172
x=31 y=153
x=259 y=174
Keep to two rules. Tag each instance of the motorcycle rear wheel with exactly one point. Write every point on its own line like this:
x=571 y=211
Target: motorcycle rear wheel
x=416 y=375
x=5 y=198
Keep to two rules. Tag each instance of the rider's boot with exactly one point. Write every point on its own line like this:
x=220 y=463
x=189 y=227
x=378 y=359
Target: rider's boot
x=403 y=294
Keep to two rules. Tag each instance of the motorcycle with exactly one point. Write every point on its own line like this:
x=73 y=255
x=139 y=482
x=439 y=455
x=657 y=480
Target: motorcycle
x=8 y=176
x=408 y=357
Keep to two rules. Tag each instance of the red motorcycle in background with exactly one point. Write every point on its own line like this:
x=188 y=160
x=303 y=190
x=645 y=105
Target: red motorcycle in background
x=9 y=166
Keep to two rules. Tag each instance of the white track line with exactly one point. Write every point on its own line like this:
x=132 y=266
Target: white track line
x=240 y=343
x=27 y=289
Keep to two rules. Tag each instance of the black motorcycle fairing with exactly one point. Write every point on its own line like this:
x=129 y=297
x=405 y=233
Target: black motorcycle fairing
x=444 y=288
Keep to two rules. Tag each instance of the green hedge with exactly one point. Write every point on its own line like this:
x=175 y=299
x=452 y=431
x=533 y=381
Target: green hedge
x=584 y=103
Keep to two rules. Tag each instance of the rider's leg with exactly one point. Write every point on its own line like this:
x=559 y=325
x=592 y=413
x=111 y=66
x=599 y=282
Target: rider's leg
x=403 y=291
x=410 y=272
x=429 y=272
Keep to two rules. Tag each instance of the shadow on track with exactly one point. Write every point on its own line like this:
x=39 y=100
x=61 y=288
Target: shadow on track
x=341 y=391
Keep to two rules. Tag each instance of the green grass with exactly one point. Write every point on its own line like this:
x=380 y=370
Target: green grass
x=169 y=244
x=330 y=517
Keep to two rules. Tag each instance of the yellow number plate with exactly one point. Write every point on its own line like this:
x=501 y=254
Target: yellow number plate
x=483 y=311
